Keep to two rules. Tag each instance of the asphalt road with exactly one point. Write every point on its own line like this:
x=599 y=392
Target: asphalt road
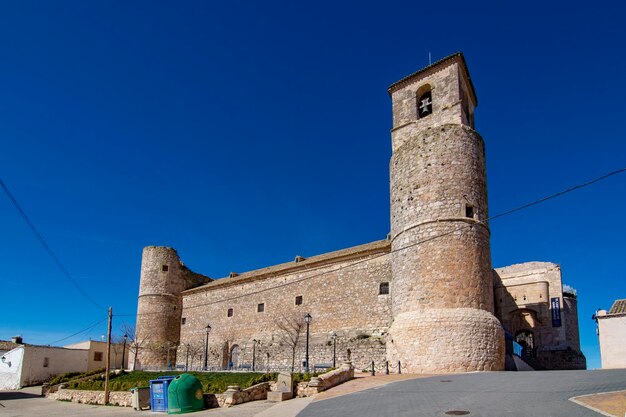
x=494 y=394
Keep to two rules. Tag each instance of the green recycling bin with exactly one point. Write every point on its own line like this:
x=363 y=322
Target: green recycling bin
x=184 y=395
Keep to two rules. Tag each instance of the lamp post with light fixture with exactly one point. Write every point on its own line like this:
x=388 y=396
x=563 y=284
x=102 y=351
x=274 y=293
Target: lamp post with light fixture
x=124 y=338
x=333 y=336
x=207 y=330
x=307 y=320
x=254 y=342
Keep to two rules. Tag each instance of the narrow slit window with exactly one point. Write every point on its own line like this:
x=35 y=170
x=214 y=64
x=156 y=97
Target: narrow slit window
x=231 y=312
x=183 y=320
x=165 y=268
x=46 y=362
x=383 y=288
x=260 y=308
x=469 y=211
x=299 y=300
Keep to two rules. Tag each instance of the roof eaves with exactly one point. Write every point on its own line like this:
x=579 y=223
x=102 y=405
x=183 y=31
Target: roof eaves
x=291 y=267
x=458 y=55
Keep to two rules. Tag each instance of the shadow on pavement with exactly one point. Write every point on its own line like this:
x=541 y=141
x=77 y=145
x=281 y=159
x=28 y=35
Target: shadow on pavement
x=5 y=396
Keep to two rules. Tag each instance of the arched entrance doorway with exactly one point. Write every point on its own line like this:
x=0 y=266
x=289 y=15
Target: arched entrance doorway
x=233 y=362
x=526 y=339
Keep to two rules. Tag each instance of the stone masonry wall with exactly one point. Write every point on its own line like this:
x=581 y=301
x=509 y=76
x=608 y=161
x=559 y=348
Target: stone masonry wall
x=570 y=316
x=120 y=398
x=442 y=298
x=326 y=381
x=523 y=293
x=522 y=301
x=341 y=294
x=163 y=278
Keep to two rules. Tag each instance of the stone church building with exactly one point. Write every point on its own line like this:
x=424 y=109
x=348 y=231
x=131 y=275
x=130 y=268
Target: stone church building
x=426 y=296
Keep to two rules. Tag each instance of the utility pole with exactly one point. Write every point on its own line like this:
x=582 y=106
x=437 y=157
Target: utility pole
x=108 y=358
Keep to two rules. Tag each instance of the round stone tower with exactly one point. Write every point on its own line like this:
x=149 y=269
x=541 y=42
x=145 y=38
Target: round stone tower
x=159 y=308
x=442 y=287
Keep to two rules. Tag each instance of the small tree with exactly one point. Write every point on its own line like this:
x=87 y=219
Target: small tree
x=134 y=344
x=290 y=330
x=194 y=351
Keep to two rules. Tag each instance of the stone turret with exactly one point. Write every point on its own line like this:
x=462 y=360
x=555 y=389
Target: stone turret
x=159 y=308
x=442 y=287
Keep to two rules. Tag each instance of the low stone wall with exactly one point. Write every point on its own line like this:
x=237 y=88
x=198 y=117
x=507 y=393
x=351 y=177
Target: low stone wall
x=328 y=380
x=234 y=395
x=120 y=398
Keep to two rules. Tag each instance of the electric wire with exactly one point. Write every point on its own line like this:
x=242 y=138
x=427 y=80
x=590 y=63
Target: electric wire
x=81 y=331
x=420 y=242
x=560 y=193
x=47 y=247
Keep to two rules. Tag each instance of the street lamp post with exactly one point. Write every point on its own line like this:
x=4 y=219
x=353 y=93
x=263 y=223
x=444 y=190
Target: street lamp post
x=254 y=342
x=187 y=359
x=207 y=329
x=124 y=348
x=334 y=337
x=307 y=320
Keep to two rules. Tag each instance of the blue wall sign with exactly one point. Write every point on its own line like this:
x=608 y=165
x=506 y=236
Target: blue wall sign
x=555 y=306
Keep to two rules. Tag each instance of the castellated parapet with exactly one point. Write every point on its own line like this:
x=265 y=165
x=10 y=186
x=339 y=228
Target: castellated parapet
x=442 y=296
x=163 y=278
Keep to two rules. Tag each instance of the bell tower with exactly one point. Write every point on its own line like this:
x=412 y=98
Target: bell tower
x=442 y=287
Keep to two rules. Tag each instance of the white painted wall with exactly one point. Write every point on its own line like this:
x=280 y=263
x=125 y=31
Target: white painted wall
x=11 y=369
x=612 y=341
x=60 y=360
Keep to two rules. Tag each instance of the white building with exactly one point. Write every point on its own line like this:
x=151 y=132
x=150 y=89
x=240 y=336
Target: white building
x=612 y=335
x=26 y=364
x=22 y=365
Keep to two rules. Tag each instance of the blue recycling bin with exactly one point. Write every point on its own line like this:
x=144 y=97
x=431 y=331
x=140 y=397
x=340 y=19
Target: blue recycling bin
x=158 y=393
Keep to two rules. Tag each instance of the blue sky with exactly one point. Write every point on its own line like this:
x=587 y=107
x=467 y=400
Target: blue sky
x=244 y=133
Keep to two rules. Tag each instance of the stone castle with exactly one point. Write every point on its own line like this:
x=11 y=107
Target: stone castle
x=425 y=297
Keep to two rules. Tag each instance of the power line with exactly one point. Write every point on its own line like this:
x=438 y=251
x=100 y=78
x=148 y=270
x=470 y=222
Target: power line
x=506 y=213
x=46 y=247
x=79 y=332
x=560 y=193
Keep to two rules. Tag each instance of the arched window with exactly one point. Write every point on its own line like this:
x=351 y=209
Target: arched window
x=424 y=101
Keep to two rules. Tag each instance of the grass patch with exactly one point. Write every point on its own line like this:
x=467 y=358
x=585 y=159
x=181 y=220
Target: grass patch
x=212 y=382
x=73 y=375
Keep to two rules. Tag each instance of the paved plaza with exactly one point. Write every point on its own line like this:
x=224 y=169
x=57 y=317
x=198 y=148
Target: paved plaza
x=494 y=394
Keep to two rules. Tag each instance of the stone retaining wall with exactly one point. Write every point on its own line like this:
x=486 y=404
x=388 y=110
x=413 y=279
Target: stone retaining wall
x=234 y=395
x=326 y=381
x=120 y=398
